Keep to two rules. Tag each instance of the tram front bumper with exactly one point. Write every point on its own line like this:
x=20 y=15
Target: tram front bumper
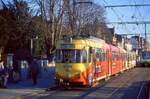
x=75 y=80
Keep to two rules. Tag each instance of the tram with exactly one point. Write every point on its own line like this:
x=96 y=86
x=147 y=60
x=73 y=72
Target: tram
x=85 y=60
x=145 y=59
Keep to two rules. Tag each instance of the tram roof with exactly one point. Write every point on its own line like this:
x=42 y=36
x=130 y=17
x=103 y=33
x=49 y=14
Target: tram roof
x=90 y=41
x=114 y=48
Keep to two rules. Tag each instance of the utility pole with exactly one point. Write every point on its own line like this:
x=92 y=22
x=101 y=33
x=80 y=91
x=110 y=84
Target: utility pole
x=140 y=22
x=145 y=45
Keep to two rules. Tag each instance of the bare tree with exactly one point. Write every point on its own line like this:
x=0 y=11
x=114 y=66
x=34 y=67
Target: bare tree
x=90 y=19
x=70 y=17
x=52 y=14
x=84 y=17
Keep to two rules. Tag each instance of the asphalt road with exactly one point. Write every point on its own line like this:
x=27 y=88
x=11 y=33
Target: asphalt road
x=126 y=85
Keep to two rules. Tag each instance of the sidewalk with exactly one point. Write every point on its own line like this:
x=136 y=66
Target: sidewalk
x=45 y=80
x=42 y=83
x=23 y=88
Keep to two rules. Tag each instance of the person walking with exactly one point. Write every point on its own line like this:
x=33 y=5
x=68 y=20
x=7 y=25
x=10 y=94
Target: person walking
x=34 y=70
x=3 y=75
x=1 y=65
x=6 y=75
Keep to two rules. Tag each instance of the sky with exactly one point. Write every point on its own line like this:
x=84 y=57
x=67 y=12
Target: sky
x=123 y=14
x=127 y=14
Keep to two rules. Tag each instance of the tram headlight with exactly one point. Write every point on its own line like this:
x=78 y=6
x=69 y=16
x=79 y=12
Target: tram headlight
x=78 y=75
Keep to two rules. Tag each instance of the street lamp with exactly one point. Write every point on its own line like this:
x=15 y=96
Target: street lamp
x=31 y=44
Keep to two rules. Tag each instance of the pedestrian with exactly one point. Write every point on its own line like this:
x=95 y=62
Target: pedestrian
x=1 y=72
x=34 y=70
x=1 y=65
x=6 y=75
x=3 y=75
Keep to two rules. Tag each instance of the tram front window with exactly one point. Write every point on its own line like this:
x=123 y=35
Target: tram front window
x=68 y=56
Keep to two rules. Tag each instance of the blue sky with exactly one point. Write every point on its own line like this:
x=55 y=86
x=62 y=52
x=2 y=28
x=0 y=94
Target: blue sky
x=127 y=14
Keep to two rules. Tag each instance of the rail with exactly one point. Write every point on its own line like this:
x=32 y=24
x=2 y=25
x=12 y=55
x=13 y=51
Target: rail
x=144 y=91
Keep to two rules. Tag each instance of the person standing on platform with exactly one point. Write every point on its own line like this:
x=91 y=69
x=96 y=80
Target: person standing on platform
x=34 y=70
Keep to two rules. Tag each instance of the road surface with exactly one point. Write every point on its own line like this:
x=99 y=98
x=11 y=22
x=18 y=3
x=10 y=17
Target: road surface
x=126 y=85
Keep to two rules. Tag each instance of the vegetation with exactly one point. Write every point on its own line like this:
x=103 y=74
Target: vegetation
x=48 y=20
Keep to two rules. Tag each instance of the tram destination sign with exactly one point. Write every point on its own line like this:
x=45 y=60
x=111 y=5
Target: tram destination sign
x=67 y=46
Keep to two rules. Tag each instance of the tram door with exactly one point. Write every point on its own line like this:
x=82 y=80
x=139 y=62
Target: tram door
x=92 y=59
x=109 y=63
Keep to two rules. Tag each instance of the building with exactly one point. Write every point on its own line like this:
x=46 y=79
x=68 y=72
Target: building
x=110 y=38
x=138 y=43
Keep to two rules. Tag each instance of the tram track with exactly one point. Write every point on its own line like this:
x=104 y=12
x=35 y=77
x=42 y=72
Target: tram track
x=131 y=82
x=110 y=89
x=83 y=92
x=101 y=85
x=124 y=83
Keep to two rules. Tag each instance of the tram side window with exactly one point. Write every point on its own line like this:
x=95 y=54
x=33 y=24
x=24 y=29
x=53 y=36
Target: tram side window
x=106 y=55
x=98 y=55
x=78 y=56
x=132 y=57
x=58 y=55
x=113 y=56
x=84 y=56
x=129 y=57
x=117 y=56
x=103 y=56
x=123 y=57
x=89 y=56
x=120 y=56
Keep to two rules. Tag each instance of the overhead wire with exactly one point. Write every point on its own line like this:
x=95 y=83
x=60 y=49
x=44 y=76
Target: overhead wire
x=140 y=15
x=135 y=18
x=138 y=9
x=119 y=18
